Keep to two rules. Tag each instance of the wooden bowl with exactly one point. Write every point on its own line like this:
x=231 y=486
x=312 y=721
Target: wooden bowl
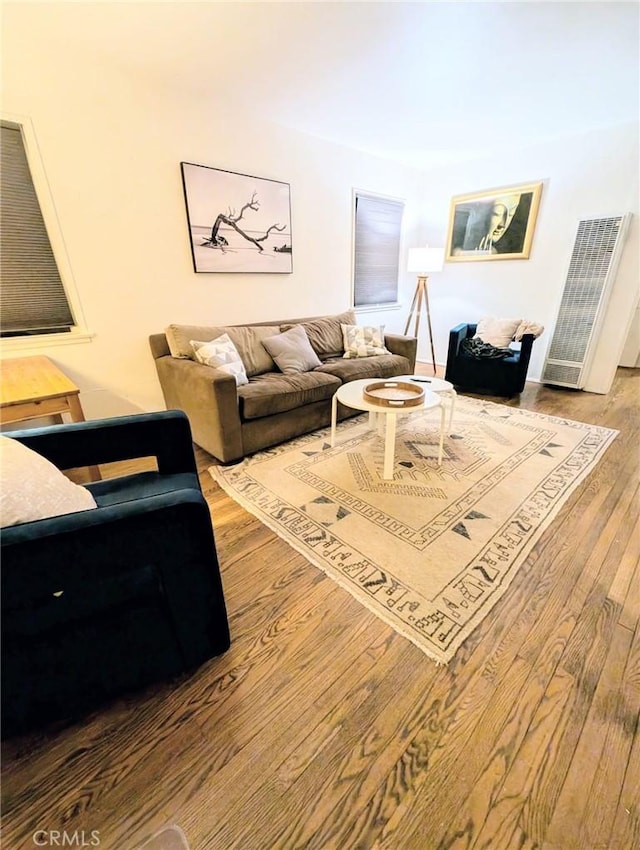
x=393 y=394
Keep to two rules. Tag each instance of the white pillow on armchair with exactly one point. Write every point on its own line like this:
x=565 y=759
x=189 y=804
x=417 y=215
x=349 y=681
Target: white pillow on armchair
x=497 y=332
x=32 y=488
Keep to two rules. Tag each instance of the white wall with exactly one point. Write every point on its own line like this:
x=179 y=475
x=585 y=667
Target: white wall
x=111 y=145
x=631 y=351
x=584 y=176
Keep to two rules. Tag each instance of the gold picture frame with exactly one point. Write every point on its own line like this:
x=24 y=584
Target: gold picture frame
x=496 y=224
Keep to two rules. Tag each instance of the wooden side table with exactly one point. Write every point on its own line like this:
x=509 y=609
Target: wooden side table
x=31 y=387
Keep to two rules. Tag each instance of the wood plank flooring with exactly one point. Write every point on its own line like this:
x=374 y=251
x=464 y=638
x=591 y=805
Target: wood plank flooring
x=323 y=729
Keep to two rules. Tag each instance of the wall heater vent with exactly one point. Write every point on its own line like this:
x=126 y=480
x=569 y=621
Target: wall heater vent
x=595 y=256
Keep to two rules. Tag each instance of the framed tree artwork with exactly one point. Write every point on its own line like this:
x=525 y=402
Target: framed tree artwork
x=493 y=225
x=237 y=223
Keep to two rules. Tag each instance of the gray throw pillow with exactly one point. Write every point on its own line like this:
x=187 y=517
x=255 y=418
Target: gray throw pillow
x=292 y=351
x=325 y=333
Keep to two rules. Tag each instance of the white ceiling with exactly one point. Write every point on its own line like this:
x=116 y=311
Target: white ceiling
x=420 y=82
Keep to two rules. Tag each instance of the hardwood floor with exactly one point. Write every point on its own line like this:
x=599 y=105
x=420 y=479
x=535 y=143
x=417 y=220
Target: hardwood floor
x=322 y=728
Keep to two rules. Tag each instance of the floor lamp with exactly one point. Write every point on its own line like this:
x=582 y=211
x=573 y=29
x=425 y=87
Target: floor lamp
x=424 y=261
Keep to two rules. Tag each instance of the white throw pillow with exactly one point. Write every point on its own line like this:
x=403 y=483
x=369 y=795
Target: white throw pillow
x=526 y=326
x=292 y=351
x=363 y=340
x=222 y=354
x=497 y=332
x=32 y=488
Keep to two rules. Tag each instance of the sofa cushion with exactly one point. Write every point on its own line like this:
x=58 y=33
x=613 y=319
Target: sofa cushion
x=379 y=366
x=222 y=354
x=292 y=350
x=32 y=488
x=325 y=333
x=363 y=340
x=274 y=392
x=247 y=339
x=497 y=332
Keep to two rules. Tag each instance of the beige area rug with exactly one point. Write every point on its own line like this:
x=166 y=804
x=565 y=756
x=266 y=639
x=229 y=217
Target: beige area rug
x=431 y=551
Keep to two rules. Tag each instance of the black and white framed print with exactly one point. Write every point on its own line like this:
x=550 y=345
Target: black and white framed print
x=237 y=223
x=493 y=225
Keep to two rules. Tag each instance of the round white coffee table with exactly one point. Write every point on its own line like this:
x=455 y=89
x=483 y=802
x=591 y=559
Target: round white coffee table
x=436 y=385
x=351 y=395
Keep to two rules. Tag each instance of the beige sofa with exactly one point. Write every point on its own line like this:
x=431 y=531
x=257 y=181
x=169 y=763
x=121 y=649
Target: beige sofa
x=231 y=421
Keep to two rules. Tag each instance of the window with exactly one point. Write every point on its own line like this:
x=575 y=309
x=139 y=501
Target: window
x=33 y=296
x=376 y=256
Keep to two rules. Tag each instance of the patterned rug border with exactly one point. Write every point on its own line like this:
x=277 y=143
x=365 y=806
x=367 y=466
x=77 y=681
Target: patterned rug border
x=220 y=474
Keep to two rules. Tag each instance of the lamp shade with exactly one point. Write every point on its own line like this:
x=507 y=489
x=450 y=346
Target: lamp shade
x=424 y=260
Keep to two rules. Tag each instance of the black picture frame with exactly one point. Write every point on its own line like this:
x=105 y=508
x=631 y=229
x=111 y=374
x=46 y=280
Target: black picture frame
x=237 y=223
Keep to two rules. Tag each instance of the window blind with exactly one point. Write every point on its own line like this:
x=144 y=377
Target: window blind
x=377 y=249
x=32 y=296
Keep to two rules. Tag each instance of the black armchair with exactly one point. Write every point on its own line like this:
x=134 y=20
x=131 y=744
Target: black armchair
x=503 y=376
x=106 y=600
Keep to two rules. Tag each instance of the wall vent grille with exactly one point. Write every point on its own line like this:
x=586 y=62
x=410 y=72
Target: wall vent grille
x=589 y=279
x=562 y=374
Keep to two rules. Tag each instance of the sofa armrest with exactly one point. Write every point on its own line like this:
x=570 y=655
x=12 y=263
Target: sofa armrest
x=164 y=435
x=526 y=344
x=456 y=336
x=109 y=521
x=170 y=532
x=407 y=346
x=209 y=398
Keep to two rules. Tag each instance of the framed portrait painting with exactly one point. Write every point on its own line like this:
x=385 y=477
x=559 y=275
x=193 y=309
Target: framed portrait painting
x=493 y=225
x=237 y=223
